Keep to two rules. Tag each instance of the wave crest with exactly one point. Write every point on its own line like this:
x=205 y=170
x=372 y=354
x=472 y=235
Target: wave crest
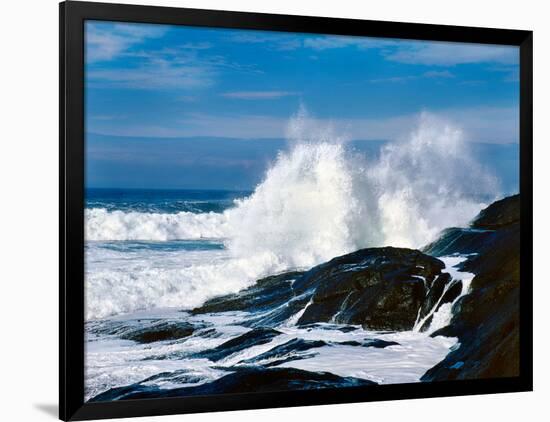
x=320 y=199
x=102 y=224
x=317 y=201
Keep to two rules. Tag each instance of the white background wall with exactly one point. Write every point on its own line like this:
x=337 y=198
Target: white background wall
x=29 y=197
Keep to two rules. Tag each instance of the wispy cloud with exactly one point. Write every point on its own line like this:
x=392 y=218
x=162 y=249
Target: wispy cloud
x=433 y=74
x=288 y=42
x=203 y=45
x=276 y=41
x=108 y=41
x=156 y=73
x=184 y=67
x=451 y=54
x=189 y=65
x=258 y=95
x=394 y=79
x=445 y=74
x=410 y=52
x=479 y=124
x=329 y=42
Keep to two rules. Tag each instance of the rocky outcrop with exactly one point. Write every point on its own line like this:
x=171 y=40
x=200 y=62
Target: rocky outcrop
x=486 y=321
x=500 y=214
x=243 y=380
x=251 y=338
x=266 y=293
x=161 y=331
x=389 y=288
x=274 y=296
x=379 y=288
x=295 y=349
x=147 y=330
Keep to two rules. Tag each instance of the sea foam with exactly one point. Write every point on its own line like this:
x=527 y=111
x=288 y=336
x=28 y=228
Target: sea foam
x=102 y=224
x=318 y=200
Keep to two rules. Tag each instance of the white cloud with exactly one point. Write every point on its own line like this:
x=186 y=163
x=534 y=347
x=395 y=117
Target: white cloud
x=106 y=42
x=157 y=73
x=258 y=95
x=433 y=74
x=287 y=42
x=165 y=68
x=438 y=74
x=328 y=42
x=187 y=66
x=451 y=54
x=152 y=69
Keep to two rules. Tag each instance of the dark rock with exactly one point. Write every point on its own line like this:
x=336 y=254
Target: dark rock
x=289 y=351
x=179 y=376
x=482 y=233
x=437 y=298
x=267 y=293
x=274 y=293
x=350 y=343
x=426 y=325
x=347 y=328
x=486 y=321
x=208 y=333
x=499 y=214
x=379 y=288
x=254 y=337
x=376 y=343
x=379 y=344
x=280 y=313
x=459 y=241
x=451 y=294
x=336 y=327
x=159 y=331
x=143 y=330
x=434 y=294
x=244 y=380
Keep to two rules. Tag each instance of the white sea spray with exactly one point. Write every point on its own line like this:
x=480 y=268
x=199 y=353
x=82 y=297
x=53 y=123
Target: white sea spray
x=319 y=199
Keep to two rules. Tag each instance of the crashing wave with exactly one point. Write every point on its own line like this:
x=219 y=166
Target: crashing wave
x=318 y=200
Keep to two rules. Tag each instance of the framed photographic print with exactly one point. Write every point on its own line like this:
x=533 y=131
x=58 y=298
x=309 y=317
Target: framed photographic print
x=265 y=210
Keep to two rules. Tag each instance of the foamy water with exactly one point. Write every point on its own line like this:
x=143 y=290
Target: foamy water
x=318 y=200
x=111 y=362
x=152 y=261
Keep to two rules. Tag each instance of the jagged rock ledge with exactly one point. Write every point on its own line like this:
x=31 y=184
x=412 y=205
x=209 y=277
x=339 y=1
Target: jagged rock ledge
x=378 y=288
x=486 y=321
x=244 y=379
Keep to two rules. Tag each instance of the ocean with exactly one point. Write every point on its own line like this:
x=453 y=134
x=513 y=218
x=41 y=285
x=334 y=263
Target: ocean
x=153 y=256
x=140 y=274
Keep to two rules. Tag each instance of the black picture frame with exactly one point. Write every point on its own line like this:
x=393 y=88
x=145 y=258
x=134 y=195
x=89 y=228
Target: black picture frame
x=72 y=15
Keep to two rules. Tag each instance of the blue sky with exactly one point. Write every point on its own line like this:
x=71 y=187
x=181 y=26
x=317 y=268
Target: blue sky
x=159 y=81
